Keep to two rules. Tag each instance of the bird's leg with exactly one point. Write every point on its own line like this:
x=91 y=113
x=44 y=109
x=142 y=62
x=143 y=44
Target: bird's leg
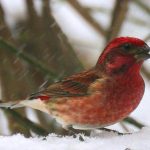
x=114 y=131
x=73 y=132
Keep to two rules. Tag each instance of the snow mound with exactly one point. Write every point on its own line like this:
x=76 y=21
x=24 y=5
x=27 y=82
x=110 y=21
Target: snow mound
x=104 y=141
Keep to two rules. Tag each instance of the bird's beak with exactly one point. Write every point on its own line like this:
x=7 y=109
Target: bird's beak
x=142 y=53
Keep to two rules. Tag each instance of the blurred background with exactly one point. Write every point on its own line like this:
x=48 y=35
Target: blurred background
x=47 y=40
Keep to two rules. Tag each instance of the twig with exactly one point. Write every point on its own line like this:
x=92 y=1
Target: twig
x=133 y=19
x=26 y=122
x=145 y=7
x=7 y=68
x=124 y=126
x=97 y=9
x=134 y=122
x=63 y=54
x=118 y=17
x=30 y=59
x=147 y=38
x=85 y=14
x=145 y=72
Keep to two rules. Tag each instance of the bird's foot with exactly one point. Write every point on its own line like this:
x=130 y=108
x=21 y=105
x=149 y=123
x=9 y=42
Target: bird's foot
x=114 y=131
x=72 y=132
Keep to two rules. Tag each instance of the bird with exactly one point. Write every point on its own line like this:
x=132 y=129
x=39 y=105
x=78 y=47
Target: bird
x=101 y=96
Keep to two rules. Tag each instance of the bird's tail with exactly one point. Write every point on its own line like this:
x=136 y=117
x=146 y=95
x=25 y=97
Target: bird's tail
x=32 y=103
x=11 y=104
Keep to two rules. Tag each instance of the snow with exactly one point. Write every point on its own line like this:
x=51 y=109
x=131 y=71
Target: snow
x=104 y=141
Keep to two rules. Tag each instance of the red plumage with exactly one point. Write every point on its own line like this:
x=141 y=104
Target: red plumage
x=103 y=95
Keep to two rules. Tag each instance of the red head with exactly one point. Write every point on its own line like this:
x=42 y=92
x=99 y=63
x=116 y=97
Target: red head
x=122 y=53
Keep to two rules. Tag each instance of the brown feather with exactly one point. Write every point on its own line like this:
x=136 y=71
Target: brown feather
x=75 y=85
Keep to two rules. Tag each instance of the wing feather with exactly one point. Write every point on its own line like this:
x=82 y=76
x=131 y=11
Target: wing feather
x=75 y=85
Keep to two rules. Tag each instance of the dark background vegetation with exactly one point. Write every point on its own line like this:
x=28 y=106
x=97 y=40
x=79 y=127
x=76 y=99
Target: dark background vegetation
x=36 y=50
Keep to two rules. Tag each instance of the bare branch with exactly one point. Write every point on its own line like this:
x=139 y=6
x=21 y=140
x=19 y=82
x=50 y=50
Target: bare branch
x=145 y=7
x=134 y=122
x=145 y=72
x=85 y=14
x=118 y=17
x=26 y=123
x=147 y=38
x=30 y=59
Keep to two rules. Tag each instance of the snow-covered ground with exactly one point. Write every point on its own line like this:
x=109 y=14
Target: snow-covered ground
x=100 y=141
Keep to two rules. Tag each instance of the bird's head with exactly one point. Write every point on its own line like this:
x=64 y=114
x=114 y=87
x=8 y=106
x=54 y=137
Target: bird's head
x=123 y=53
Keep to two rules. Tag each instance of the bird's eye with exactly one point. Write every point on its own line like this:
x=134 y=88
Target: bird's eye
x=127 y=46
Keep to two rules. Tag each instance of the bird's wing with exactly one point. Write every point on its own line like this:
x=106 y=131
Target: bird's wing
x=75 y=85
